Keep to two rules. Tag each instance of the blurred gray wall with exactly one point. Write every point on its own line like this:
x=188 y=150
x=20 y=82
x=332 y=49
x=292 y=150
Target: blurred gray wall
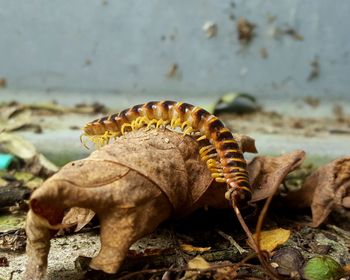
x=130 y=46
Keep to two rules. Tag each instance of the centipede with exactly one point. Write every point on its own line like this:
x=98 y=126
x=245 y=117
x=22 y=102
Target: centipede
x=223 y=155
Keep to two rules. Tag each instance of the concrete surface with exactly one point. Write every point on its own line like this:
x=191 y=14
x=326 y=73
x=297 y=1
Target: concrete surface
x=129 y=47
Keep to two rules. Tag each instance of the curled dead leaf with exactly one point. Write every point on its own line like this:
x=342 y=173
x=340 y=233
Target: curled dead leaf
x=267 y=173
x=79 y=217
x=324 y=190
x=132 y=186
x=246 y=143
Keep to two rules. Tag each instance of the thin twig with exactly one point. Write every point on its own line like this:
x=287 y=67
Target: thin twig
x=232 y=242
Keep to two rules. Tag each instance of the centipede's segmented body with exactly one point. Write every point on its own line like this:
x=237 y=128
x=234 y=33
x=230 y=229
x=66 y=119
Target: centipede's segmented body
x=223 y=156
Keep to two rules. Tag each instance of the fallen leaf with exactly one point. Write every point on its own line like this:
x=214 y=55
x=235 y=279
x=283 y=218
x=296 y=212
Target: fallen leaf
x=39 y=165
x=16 y=145
x=23 y=149
x=267 y=173
x=79 y=217
x=246 y=143
x=196 y=263
x=21 y=121
x=190 y=248
x=270 y=239
x=132 y=185
x=324 y=190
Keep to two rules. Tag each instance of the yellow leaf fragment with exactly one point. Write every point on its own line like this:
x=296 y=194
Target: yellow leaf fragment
x=270 y=239
x=190 y=248
x=198 y=263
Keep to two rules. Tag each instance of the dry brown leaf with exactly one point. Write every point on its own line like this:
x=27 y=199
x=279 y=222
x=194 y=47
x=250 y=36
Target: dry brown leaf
x=131 y=185
x=324 y=190
x=246 y=143
x=267 y=173
x=78 y=217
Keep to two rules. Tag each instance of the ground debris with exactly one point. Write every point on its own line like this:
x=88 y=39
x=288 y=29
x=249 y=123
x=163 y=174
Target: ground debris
x=13 y=240
x=245 y=31
x=289 y=261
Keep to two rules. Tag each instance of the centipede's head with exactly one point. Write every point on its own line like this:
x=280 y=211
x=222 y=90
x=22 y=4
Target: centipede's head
x=240 y=196
x=88 y=129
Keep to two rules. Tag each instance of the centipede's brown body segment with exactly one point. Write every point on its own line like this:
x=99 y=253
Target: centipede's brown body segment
x=224 y=157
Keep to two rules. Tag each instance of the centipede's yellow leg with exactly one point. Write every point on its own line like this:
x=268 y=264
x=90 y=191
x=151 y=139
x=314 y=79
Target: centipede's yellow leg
x=213 y=163
x=209 y=156
x=216 y=170
x=105 y=138
x=141 y=121
x=97 y=141
x=175 y=122
x=187 y=131
x=134 y=125
x=125 y=125
x=220 y=180
x=219 y=177
x=114 y=135
x=201 y=138
x=162 y=123
x=184 y=124
x=205 y=150
x=151 y=122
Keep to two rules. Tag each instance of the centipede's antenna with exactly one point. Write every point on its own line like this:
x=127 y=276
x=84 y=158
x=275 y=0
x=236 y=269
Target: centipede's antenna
x=82 y=141
x=255 y=243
